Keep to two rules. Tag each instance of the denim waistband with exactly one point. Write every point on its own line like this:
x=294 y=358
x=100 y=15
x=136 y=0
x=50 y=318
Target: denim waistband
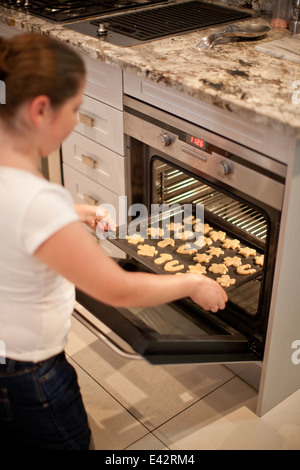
x=11 y=365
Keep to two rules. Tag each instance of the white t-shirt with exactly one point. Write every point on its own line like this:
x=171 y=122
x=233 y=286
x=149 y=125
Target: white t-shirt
x=35 y=302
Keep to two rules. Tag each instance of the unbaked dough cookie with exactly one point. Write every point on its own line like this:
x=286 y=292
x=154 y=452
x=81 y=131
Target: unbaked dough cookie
x=163 y=257
x=166 y=242
x=245 y=269
x=147 y=250
x=202 y=258
x=197 y=269
x=218 y=268
x=231 y=244
x=207 y=228
x=216 y=236
x=214 y=251
x=134 y=239
x=186 y=250
x=259 y=260
x=232 y=261
x=175 y=226
x=225 y=280
x=246 y=252
x=155 y=232
x=173 y=266
x=186 y=235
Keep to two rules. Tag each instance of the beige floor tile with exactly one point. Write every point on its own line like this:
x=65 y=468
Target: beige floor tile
x=153 y=394
x=148 y=442
x=111 y=425
x=226 y=420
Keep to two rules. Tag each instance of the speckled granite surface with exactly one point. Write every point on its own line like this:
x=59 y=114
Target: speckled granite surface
x=233 y=76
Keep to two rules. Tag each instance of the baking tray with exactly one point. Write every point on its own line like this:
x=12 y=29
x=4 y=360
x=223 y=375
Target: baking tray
x=187 y=259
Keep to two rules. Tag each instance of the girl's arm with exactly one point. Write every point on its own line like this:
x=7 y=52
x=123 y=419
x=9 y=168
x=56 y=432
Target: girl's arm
x=73 y=253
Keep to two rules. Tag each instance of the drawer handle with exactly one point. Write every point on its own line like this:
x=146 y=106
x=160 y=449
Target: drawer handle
x=89 y=161
x=90 y=200
x=87 y=120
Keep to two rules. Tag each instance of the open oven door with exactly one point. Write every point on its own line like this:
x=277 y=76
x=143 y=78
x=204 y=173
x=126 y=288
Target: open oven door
x=175 y=333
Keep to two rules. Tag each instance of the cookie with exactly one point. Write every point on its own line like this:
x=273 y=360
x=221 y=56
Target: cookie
x=245 y=269
x=202 y=258
x=196 y=269
x=186 y=235
x=225 y=280
x=134 y=239
x=156 y=232
x=175 y=226
x=173 y=266
x=232 y=261
x=163 y=257
x=246 y=252
x=216 y=236
x=259 y=260
x=214 y=251
x=166 y=242
x=147 y=250
x=218 y=268
x=231 y=244
x=186 y=250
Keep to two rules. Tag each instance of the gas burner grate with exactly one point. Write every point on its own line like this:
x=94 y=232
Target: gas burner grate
x=171 y=19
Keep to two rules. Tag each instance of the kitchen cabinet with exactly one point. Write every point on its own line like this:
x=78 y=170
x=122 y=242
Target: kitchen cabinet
x=94 y=169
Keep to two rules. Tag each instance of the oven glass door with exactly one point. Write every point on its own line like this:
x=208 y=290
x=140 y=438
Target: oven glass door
x=180 y=332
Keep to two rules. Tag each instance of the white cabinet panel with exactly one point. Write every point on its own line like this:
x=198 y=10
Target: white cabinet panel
x=96 y=162
x=104 y=82
x=101 y=123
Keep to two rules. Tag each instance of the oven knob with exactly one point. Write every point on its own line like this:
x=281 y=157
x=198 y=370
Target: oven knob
x=102 y=31
x=165 y=138
x=226 y=167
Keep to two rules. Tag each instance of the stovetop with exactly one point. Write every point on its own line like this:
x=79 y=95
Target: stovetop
x=159 y=21
x=64 y=11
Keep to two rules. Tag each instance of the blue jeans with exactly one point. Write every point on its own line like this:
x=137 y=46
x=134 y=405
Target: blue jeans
x=41 y=406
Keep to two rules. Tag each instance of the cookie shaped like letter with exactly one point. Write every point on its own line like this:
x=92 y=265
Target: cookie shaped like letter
x=163 y=258
x=245 y=269
x=173 y=266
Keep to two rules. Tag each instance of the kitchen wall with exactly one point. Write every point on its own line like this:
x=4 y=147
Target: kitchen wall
x=257 y=5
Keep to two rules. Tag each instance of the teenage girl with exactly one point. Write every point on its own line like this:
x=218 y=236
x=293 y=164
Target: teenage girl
x=45 y=251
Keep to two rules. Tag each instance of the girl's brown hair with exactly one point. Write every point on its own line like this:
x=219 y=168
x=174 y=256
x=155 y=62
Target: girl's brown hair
x=35 y=64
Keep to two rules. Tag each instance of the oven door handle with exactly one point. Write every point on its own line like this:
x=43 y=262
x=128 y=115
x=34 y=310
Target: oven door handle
x=103 y=336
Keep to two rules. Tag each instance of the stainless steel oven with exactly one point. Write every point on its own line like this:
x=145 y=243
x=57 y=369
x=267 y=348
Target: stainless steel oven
x=174 y=162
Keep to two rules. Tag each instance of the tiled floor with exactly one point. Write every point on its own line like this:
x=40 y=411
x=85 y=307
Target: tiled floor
x=135 y=406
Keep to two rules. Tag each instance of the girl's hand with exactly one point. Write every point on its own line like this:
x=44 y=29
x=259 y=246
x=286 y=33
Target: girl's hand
x=209 y=294
x=95 y=218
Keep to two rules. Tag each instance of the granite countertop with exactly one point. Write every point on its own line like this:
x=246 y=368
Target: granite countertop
x=234 y=76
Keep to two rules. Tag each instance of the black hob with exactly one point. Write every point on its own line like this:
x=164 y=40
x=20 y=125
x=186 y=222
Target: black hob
x=63 y=11
x=148 y=24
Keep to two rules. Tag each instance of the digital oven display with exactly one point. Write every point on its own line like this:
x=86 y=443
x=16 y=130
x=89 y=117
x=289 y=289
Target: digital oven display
x=196 y=142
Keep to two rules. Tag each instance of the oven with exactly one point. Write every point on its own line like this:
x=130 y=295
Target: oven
x=220 y=204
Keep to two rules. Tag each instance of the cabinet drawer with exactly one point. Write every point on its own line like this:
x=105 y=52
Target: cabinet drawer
x=86 y=191
x=94 y=161
x=104 y=82
x=101 y=123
